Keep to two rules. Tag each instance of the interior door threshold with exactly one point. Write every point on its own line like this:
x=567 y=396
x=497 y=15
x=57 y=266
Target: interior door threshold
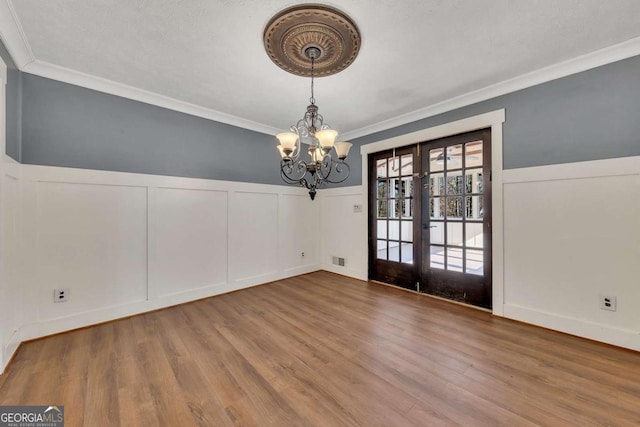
x=486 y=310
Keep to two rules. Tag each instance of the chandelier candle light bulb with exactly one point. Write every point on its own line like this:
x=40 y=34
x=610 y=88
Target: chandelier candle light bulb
x=297 y=39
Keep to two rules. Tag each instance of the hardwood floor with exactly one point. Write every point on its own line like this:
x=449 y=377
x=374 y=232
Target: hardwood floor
x=325 y=350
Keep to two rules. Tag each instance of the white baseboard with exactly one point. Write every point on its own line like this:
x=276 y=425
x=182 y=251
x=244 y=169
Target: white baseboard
x=582 y=328
x=345 y=271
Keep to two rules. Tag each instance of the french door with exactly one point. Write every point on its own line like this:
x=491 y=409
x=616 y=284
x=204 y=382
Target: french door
x=430 y=217
x=392 y=207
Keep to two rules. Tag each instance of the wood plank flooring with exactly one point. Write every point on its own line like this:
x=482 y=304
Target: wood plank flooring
x=325 y=350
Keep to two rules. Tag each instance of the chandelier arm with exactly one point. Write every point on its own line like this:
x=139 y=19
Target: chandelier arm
x=324 y=169
x=287 y=173
x=341 y=168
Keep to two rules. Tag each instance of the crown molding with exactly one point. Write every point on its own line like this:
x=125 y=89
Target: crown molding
x=56 y=72
x=581 y=63
x=16 y=42
x=13 y=35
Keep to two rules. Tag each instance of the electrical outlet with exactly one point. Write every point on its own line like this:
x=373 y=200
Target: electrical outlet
x=357 y=208
x=61 y=295
x=302 y=254
x=608 y=302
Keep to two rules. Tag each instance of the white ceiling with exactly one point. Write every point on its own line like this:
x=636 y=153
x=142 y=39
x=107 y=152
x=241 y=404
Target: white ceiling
x=415 y=53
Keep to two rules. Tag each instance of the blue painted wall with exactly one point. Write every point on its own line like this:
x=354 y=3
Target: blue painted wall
x=13 y=105
x=586 y=116
x=66 y=125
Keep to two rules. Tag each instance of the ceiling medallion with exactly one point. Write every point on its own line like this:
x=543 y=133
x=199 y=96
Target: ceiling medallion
x=289 y=35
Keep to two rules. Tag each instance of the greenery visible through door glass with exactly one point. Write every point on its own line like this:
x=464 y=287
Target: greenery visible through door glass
x=407 y=187
x=454 y=183
x=436 y=207
x=436 y=184
x=383 y=188
x=454 y=207
x=382 y=209
x=474 y=208
x=473 y=181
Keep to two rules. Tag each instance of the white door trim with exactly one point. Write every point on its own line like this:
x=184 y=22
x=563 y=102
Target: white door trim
x=493 y=120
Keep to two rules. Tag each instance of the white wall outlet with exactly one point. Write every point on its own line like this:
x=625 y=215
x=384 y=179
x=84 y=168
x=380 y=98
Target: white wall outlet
x=608 y=302
x=61 y=295
x=357 y=208
x=302 y=254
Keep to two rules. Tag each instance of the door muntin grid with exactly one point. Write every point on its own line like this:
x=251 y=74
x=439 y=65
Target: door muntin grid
x=456 y=215
x=394 y=209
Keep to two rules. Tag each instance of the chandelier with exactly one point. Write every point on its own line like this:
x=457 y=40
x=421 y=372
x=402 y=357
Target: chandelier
x=310 y=40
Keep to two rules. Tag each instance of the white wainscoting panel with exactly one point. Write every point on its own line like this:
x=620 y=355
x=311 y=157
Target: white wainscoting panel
x=11 y=295
x=253 y=237
x=344 y=232
x=299 y=230
x=570 y=240
x=126 y=243
x=189 y=246
x=91 y=239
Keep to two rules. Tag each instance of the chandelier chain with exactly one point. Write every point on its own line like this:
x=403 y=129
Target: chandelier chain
x=312 y=99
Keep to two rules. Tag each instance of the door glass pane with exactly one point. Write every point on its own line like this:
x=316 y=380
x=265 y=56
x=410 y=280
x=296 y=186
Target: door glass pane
x=382 y=229
x=407 y=208
x=407 y=187
x=394 y=166
x=436 y=160
x=454 y=183
x=454 y=233
x=436 y=207
x=394 y=188
x=396 y=208
x=394 y=251
x=473 y=154
x=475 y=264
x=473 y=181
x=407 y=253
x=436 y=233
x=382 y=249
x=394 y=230
x=406 y=231
x=407 y=164
x=475 y=235
x=454 y=259
x=454 y=157
x=383 y=188
x=437 y=257
x=381 y=167
x=436 y=184
x=454 y=207
x=473 y=207
x=383 y=206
